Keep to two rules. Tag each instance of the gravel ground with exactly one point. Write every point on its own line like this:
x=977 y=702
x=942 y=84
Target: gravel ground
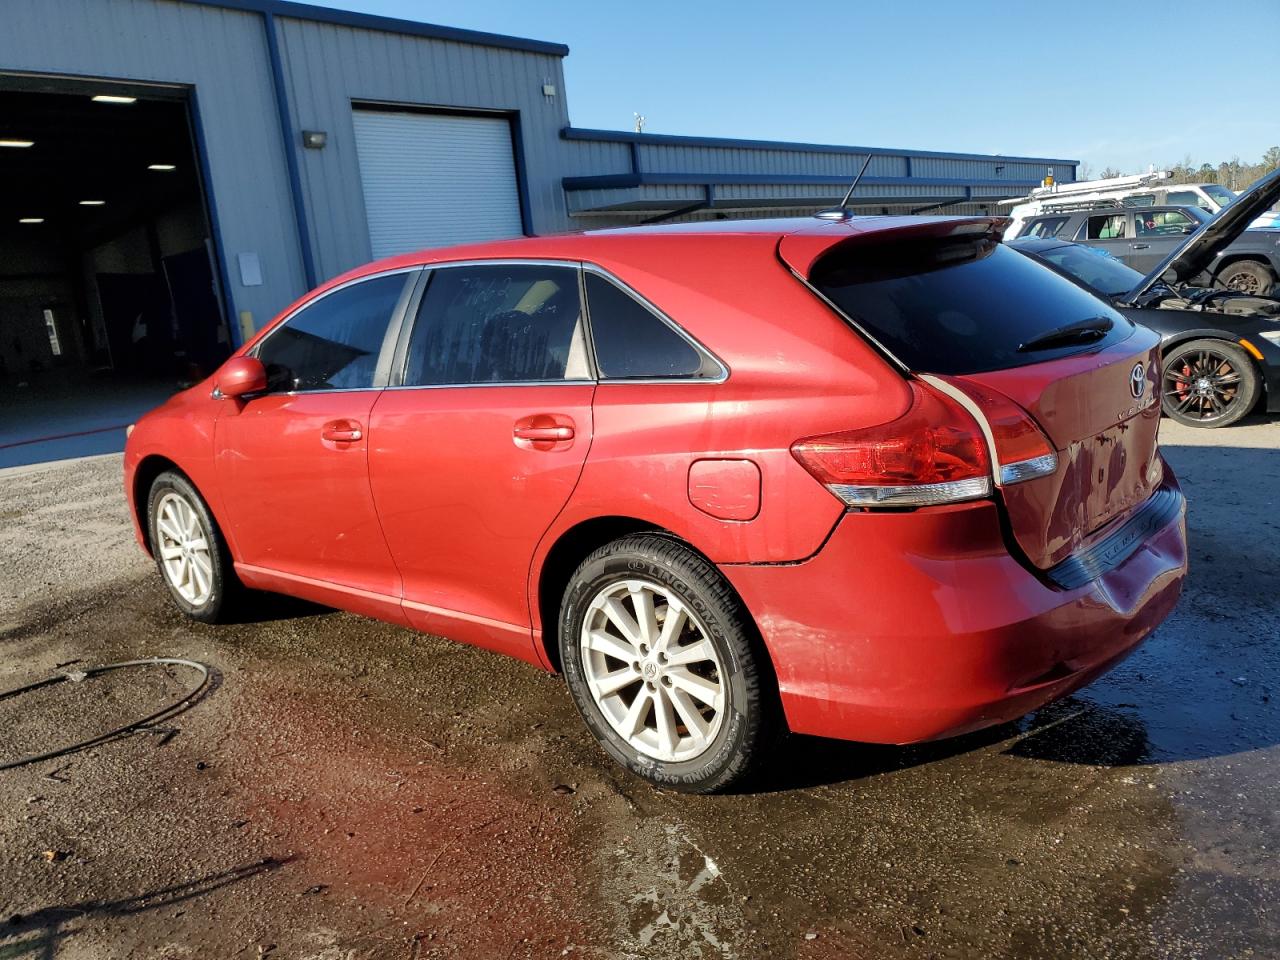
x=347 y=789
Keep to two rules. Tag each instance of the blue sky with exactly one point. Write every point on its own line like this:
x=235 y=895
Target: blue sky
x=1114 y=83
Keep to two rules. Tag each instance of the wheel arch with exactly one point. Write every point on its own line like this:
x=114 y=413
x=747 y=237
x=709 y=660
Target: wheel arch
x=1186 y=336
x=144 y=475
x=579 y=541
x=1233 y=258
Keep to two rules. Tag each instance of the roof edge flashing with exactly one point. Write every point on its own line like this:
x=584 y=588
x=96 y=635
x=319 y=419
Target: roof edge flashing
x=335 y=16
x=659 y=139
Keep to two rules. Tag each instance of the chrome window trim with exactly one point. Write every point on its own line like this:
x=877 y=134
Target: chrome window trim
x=394 y=322
x=492 y=383
x=582 y=267
x=703 y=351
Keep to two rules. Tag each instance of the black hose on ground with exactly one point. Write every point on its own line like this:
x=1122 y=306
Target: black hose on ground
x=76 y=676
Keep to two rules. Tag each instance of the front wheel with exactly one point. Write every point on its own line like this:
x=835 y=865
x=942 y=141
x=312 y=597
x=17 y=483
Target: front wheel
x=1208 y=383
x=189 y=550
x=663 y=664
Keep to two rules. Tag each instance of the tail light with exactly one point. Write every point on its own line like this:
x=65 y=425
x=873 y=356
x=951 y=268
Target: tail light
x=1021 y=450
x=934 y=453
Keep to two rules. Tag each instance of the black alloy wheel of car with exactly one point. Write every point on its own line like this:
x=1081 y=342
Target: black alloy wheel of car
x=1246 y=276
x=1208 y=383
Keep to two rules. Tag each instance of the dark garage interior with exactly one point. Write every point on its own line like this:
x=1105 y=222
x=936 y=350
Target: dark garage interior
x=108 y=291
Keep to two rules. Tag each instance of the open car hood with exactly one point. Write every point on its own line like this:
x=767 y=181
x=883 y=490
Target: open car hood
x=1195 y=255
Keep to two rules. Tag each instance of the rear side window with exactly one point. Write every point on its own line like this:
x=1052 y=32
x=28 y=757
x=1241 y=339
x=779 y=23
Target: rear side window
x=957 y=306
x=1045 y=227
x=632 y=343
x=333 y=343
x=498 y=323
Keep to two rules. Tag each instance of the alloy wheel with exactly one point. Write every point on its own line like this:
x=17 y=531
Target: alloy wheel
x=184 y=549
x=653 y=671
x=1204 y=385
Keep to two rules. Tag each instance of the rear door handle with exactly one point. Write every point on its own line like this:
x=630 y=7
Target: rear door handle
x=1140 y=246
x=341 y=431
x=543 y=433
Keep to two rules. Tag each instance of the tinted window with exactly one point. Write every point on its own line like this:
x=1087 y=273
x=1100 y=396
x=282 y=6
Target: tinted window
x=631 y=342
x=1109 y=227
x=334 y=343
x=498 y=324
x=1163 y=223
x=959 y=305
x=1095 y=267
x=1045 y=227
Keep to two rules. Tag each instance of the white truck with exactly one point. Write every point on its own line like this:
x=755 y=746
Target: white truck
x=1142 y=190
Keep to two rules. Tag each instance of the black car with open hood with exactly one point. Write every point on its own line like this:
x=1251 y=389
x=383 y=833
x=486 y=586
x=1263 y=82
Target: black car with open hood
x=1220 y=348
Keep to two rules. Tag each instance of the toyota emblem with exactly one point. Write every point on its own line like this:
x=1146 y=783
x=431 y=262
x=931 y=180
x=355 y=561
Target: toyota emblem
x=1137 y=380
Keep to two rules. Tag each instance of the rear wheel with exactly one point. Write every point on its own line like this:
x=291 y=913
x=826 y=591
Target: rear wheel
x=661 y=661
x=189 y=550
x=1208 y=383
x=1247 y=276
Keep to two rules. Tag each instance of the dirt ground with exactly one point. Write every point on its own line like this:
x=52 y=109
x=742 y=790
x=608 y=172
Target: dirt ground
x=346 y=789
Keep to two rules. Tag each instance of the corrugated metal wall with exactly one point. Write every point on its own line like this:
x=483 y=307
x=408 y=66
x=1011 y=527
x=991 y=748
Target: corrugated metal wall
x=222 y=53
x=328 y=67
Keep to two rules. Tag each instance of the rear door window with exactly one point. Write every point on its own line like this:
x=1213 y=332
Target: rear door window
x=958 y=306
x=498 y=323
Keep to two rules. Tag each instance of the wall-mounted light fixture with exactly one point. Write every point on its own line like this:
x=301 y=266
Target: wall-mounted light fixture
x=314 y=139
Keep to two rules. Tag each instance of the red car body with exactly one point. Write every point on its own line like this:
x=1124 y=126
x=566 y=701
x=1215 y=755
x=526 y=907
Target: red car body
x=424 y=508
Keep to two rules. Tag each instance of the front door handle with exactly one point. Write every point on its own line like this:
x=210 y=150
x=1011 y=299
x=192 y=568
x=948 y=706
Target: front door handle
x=1140 y=246
x=342 y=431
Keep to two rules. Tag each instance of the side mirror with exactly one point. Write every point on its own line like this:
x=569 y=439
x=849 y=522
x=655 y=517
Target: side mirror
x=1189 y=230
x=239 y=377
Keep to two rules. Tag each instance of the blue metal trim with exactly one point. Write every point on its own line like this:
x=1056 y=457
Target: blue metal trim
x=232 y=318
x=367 y=21
x=290 y=151
x=635 y=157
x=623 y=181
x=622 y=136
x=522 y=176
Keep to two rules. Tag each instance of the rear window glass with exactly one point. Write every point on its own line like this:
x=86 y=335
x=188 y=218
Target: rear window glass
x=958 y=306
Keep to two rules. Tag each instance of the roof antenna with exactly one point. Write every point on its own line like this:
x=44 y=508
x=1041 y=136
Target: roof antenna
x=842 y=212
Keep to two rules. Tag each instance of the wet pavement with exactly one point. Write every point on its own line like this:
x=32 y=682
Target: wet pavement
x=348 y=789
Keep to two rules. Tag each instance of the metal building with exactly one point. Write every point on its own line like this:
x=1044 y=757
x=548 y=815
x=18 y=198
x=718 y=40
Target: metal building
x=177 y=171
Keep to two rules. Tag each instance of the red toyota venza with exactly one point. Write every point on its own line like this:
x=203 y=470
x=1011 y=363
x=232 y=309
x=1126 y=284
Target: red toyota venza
x=880 y=479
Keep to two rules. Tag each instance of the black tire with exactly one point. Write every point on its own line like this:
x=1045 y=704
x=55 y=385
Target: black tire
x=225 y=588
x=750 y=713
x=1247 y=276
x=1208 y=383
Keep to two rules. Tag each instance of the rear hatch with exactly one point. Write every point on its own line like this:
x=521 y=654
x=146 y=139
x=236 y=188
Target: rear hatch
x=1009 y=340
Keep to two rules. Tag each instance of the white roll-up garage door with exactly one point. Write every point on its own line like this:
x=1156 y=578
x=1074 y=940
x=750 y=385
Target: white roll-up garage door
x=433 y=179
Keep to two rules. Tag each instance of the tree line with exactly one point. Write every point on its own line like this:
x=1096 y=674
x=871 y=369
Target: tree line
x=1233 y=174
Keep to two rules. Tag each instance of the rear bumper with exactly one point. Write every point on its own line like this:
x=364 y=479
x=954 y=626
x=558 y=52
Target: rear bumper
x=915 y=626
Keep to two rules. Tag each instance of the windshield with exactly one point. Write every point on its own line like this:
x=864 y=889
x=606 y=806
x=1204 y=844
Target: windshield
x=1218 y=192
x=1095 y=267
